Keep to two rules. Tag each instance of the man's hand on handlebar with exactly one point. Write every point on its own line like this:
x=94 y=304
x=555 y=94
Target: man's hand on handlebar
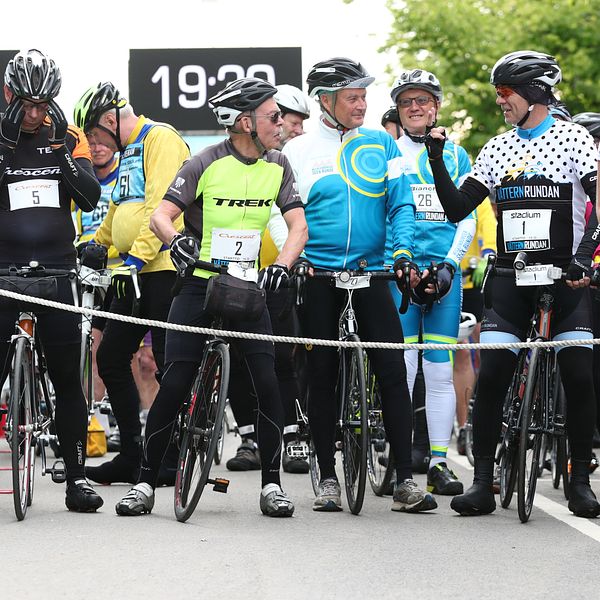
x=408 y=274
x=578 y=273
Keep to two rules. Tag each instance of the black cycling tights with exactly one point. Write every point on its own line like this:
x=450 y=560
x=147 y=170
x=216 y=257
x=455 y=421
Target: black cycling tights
x=496 y=371
x=176 y=383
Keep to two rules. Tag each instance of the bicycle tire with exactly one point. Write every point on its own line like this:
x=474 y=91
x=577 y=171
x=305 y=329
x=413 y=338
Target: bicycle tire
x=530 y=441
x=313 y=464
x=380 y=460
x=21 y=427
x=354 y=423
x=201 y=428
x=87 y=375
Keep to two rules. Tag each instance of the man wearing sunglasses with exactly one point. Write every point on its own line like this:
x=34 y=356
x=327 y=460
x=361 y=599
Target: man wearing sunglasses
x=418 y=96
x=542 y=172
x=226 y=193
x=351 y=181
x=44 y=163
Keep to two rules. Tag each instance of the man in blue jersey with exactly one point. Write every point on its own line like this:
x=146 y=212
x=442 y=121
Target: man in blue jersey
x=350 y=181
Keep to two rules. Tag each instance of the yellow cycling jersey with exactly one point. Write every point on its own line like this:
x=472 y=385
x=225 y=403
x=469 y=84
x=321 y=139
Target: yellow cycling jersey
x=268 y=250
x=484 y=241
x=153 y=154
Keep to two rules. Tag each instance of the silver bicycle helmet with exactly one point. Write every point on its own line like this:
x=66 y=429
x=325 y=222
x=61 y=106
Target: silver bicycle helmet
x=33 y=75
x=417 y=79
x=291 y=99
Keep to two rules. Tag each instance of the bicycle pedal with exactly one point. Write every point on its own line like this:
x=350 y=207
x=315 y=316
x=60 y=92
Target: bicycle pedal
x=58 y=472
x=298 y=450
x=219 y=484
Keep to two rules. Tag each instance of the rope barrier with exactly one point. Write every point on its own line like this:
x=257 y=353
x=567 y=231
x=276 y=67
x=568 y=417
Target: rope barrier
x=290 y=339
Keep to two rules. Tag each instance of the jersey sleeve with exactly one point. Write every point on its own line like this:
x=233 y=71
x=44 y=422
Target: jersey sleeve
x=486 y=227
x=400 y=203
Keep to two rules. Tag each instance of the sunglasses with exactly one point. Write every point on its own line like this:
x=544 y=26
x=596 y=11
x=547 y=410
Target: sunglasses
x=503 y=91
x=420 y=101
x=273 y=117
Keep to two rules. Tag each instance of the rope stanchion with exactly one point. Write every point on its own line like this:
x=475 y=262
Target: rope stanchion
x=290 y=339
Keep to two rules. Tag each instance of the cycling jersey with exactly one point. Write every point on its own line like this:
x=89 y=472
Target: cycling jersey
x=153 y=152
x=35 y=203
x=541 y=177
x=88 y=223
x=349 y=183
x=227 y=200
x=484 y=241
x=436 y=238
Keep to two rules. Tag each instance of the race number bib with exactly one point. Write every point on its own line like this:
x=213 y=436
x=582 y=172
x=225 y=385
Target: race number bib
x=233 y=245
x=428 y=205
x=34 y=193
x=526 y=229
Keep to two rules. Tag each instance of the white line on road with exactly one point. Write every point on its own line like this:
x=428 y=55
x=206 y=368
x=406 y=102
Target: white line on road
x=554 y=509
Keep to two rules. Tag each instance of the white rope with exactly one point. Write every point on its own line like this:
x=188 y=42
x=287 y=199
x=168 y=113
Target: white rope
x=289 y=339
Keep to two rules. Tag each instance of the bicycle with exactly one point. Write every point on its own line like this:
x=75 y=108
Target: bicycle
x=31 y=406
x=351 y=390
x=531 y=407
x=198 y=429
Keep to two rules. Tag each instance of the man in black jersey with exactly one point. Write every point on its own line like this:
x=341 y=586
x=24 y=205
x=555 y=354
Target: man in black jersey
x=542 y=172
x=44 y=163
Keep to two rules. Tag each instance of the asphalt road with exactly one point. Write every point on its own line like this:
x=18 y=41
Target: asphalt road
x=229 y=550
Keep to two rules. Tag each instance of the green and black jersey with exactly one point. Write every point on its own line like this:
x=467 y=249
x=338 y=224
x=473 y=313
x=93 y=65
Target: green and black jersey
x=227 y=200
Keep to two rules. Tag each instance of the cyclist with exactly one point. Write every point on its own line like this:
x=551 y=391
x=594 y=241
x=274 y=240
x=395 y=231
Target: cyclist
x=350 y=181
x=390 y=121
x=44 y=163
x=247 y=171
x=483 y=244
x=418 y=96
x=541 y=172
x=150 y=155
x=293 y=104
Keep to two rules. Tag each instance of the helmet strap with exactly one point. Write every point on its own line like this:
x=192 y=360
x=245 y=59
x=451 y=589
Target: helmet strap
x=254 y=135
x=527 y=115
x=330 y=116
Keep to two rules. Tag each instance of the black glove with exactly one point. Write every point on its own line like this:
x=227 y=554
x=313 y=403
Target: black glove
x=400 y=265
x=185 y=251
x=10 y=126
x=578 y=268
x=58 y=131
x=122 y=282
x=273 y=277
x=92 y=255
x=435 y=147
x=445 y=275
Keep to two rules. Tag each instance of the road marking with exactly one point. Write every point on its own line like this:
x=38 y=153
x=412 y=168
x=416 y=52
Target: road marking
x=559 y=511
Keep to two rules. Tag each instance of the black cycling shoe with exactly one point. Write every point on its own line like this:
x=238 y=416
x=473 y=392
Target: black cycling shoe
x=121 y=469
x=81 y=497
x=582 y=500
x=477 y=500
x=420 y=460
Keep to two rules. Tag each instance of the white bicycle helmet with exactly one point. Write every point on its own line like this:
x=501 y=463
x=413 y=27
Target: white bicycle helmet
x=291 y=99
x=417 y=79
x=467 y=325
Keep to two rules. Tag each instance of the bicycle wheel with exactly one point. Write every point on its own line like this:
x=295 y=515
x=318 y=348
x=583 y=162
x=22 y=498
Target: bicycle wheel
x=354 y=422
x=313 y=463
x=21 y=428
x=201 y=429
x=87 y=374
x=532 y=425
x=380 y=461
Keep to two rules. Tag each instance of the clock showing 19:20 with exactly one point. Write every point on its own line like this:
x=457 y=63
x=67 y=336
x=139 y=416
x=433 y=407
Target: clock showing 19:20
x=174 y=85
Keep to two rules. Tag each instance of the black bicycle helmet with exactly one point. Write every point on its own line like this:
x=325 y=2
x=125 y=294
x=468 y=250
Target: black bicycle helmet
x=241 y=95
x=417 y=79
x=390 y=115
x=33 y=75
x=94 y=102
x=335 y=74
x=589 y=120
x=526 y=67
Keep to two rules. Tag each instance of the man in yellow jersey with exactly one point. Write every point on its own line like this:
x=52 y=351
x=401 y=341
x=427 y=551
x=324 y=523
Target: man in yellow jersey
x=150 y=156
x=484 y=243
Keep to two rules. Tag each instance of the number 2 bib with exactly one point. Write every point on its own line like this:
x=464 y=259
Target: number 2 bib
x=235 y=245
